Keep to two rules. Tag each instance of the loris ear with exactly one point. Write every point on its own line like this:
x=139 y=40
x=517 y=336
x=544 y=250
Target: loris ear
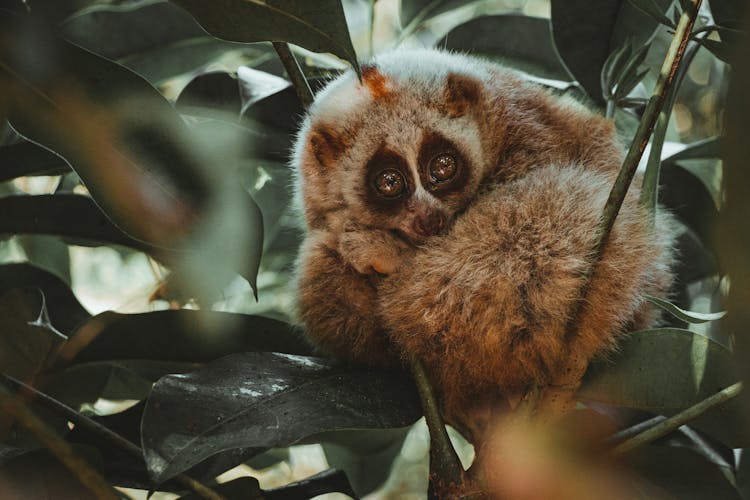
x=326 y=144
x=461 y=94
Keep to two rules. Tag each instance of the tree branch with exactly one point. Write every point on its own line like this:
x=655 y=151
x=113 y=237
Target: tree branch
x=86 y=474
x=104 y=432
x=664 y=427
x=445 y=467
x=295 y=73
x=558 y=398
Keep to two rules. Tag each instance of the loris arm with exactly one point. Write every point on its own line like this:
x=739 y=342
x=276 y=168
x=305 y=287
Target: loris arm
x=338 y=304
x=371 y=251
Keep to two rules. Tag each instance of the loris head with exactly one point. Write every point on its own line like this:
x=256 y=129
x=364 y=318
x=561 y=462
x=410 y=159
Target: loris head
x=404 y=149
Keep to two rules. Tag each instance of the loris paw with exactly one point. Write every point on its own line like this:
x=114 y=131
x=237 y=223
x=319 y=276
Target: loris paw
x=370 y=252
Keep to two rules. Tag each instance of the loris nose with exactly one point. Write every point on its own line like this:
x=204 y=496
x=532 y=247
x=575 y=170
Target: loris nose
x=429 y=223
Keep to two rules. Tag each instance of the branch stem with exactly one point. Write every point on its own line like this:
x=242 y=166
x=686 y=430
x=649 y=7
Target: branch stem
x=664 y=427
x=444 y=463
x=85 y=473
x=295 y=73
x=100 y=430
x=635 y=152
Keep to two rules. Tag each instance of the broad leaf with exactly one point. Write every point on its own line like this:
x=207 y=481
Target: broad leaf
x=586 y=33
x=27 y=159
x=319 y=26
x=28 y=341
x=183 y=335
x=415 y=12
x=72 y=216
x=665 y=371
x=215 y=92
x=526 y=43
x=265 y=400
x=64 y=310
x=690 y=200
x=684 y=315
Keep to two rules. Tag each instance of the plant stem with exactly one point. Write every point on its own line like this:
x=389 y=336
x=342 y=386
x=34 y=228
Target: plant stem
x=640 y=141
x=673 y=423
x=295 y=73
x=444 y=463
x=86 y=474
x=100 y=430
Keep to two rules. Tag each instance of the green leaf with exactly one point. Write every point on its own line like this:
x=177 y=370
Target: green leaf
x=27 y=159
x=72 y=216
x=665 y=371
x=28 y=341
x=654 y=10
x=256 y=400
x=585 y=34
x=65 y=312
x=318 y=26
x=682 y=314
x=722 y=50
x=729 y=12
x=47 y=252
x=185 y=336
x=526 y=44
x=415 y=12
x=681 y=473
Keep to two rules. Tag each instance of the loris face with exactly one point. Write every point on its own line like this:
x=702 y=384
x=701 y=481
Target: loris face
x=396 y=151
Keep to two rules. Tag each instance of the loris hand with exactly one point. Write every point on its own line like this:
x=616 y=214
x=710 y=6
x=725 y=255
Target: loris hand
x=371 y=251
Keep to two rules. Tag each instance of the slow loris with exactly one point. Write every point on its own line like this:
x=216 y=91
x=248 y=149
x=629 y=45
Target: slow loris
x=451 y=210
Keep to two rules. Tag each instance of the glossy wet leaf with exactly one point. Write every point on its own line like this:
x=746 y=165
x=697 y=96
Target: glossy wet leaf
x=667 y=370
x=265 y=400
x=586 y=33
x=684 y=315
x=185 y=335
x=526 y=43
x=319 y=26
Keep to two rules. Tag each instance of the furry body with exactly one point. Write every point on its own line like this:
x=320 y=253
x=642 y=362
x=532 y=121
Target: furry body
x=475 y=265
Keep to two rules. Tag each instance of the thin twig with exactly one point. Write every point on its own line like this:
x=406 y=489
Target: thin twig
x=633 y=157
x=86 y=474
x=295 y=73
x=444 y=463
x=675 y=422
x=100 y=430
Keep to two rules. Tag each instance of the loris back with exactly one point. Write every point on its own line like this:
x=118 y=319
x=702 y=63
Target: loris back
x=451 y=210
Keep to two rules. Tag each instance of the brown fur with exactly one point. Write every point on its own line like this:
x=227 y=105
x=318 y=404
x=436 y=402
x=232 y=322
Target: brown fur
x=485 y=303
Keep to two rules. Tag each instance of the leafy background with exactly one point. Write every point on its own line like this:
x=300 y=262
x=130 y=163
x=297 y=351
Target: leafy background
x=143 y=170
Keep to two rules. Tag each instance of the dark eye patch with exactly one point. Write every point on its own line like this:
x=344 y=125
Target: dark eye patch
x=388 y=181
x=443 y=169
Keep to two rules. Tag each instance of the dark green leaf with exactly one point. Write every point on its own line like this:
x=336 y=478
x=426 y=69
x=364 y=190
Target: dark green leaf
x=188 y=336
x=682 y=473
x=65 y=312
x=586 y=33
x=117 y=31
x=684 y=315
x=665 y=371
x=26 y=159
x=526 y=43
x=729 y=12
x=318 y=26
x=216 y=92
x=257 y=399
x=631 y=76
x=28 y=341
x=653 y=9
x=72 y=216
x=256 y=85
x=689 y=199
x=711 y=147
x=47 y=252
x=114 y=380
x=722 y=50
x=613 y=68
x=328 y=481
x=415 y=12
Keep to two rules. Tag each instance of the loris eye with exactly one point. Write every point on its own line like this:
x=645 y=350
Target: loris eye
x=390 y=183
x=443 y=167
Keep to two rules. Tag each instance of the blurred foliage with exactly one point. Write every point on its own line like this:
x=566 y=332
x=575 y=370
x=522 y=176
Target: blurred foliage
x=143 y=168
